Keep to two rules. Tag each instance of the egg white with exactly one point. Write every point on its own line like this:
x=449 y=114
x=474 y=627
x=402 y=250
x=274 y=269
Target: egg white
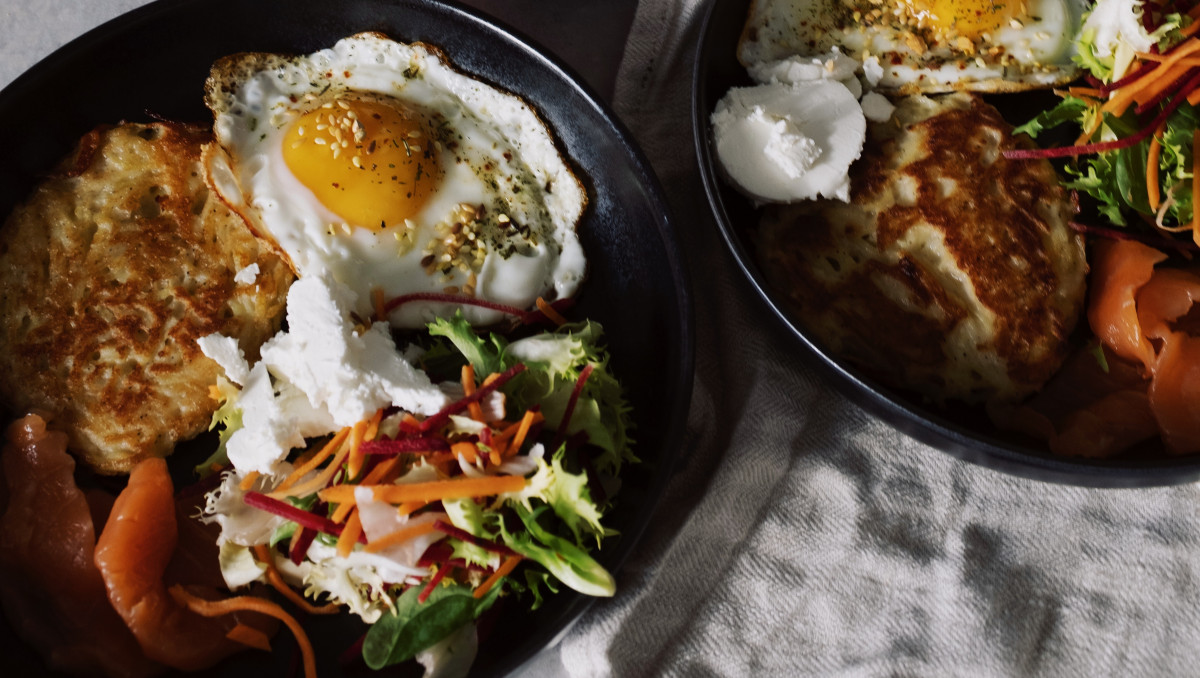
x=504 y=159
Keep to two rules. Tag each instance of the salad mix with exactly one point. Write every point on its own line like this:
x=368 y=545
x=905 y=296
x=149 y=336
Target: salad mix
x=418 y=524
x=1137 y=115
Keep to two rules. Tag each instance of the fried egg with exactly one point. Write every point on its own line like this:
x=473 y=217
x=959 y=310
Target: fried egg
x=911 y=46
x=378 y=162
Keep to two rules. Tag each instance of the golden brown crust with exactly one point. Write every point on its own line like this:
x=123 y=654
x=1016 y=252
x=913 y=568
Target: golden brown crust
x=108 y=275
x=952 y=272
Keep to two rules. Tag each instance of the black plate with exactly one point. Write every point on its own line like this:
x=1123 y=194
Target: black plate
x=153 y=62
x=964 y=433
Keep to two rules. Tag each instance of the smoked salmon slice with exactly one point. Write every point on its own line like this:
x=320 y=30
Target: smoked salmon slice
x=133 y=555
x=1119 y=269
x=52 y=593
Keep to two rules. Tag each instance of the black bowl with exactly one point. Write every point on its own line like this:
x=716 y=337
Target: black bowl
x=153 y=62
x=963 y=432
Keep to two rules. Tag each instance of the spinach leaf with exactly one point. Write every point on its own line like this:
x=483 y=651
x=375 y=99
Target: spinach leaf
x=413 y=626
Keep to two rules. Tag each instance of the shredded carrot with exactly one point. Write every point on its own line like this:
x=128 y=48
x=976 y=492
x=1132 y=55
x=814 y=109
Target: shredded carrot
x=262 y=553
x=295 y=539
x=1194 y=97
x=1163 y=76
x=548 y=310
x=332 y=446
x=248 y=481
x=380 y=304
x=1152 y=188
x=494 y=457
x=467 y=450
x=1162 y=59
x=349 y=535
x=381 y=471
x=250 y=637
x=216 y=608
x=373 y=425
x=398 y=537
x=468 y=384
x=1195 y=185
x=508 y=432
x=316 y=482
x=1085 y=92
x=410 y=506
x=456 y=488
x=355 y=462
x=526 y=422
x=501 y=572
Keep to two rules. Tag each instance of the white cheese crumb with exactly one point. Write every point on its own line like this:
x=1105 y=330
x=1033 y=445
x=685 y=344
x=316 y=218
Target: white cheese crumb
x=226 y=353
x=345 y=373
x=876 y=107
x=809 y=134
x=247 y=275
x=872 y=70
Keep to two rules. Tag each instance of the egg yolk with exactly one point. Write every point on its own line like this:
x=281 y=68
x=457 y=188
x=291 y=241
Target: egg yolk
x=968 y=18
x=371 y=163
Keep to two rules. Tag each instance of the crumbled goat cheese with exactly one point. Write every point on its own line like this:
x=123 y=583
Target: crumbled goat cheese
x=247 y=275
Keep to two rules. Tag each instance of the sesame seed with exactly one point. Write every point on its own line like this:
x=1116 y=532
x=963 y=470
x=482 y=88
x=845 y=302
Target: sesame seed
x=337 y=150
x=347 y=229
x=322 y=127
x=357 y=161
x=320 y=141
x=326 y=105
x=503 y=218
x=300 y=130
x=343 y=104
x=296 y=144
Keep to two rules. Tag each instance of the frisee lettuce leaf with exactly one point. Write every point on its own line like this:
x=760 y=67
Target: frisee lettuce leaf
x=569 y=563
x=554 y=361
x=228 y=416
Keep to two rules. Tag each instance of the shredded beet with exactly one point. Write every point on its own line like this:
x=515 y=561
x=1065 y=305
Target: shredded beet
x=463 y=535
x=391 y=448
x=457 y=406
x=439 y=554
x=526 y=317
x=1174 y=88
x=299 y=516
x=433 y=582
x=566 y=419
x=1065 y=151
x=305 y=540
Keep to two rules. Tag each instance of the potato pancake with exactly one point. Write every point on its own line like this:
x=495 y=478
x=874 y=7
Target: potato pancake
x=109 y=273
x=952 y=271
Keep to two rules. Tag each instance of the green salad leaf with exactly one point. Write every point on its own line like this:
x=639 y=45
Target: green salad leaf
x=413 y=626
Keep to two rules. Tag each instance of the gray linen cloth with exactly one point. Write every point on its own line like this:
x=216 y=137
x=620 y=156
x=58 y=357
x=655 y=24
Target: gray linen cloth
x=801 y=536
